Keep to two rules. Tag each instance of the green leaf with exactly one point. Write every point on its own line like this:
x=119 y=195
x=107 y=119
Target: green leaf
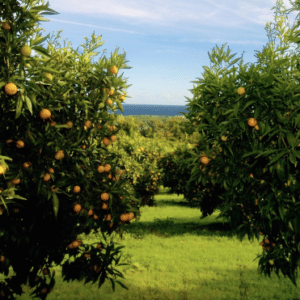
x=19 y=107
x=281 y=211
x=29 y=105
x=297 y=120
x=293 y=159
x=236 y=109
x=280 y=170
x=48 y=69
x=248 y=104
x=38 y=40
x=275 y=158
x=41 y=51
x=122 y=285
x=291 y=139
x=257 y=112
x=55 y=202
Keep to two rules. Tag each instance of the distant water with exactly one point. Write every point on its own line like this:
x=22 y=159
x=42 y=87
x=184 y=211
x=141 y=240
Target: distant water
x=151 y=110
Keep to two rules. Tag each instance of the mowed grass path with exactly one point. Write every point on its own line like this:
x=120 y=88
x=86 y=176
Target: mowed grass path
x=175 y=255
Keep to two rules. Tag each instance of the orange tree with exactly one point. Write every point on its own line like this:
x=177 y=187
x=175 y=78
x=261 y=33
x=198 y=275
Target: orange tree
x=254 y=155
x=58 y=173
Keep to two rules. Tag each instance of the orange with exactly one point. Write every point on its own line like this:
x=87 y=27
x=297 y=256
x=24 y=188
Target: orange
x=205 y=160
x=110 y=92
x=77 y=208
x=113 y=70
x=88 y=124
x=51 y=170
x=20 y=144
x=90 y=213
x=256 y=127
x=224 y=138
x=6 y=26
x=16 y=181
x=104 y=196
x=10 y=89
x=109 y=102
x=251 y=175
x=107 y=217
x=26 y=51
x=45 y=113
x=101 y=169
x=59 y=155
x=106 y=141
x=124 y=217
x=122 y=98
x=241 y=91
x=252 y=122
x=104 y=206
x=107 y=168
x=99 y=127
x=76 y=189
x=26 y=165
x=251 y=80
x=47 y=177
x=113 y=138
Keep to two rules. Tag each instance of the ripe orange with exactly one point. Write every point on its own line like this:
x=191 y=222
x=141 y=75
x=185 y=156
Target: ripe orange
x=106 y=141
x=2 y=258
x=109 y=102
x=47 y=177
x=26 y=51
x=252 y=122
x=104 y=196
x=256 y=127
x=113 y=138
x=16 y=181
x=88 y=124
x=251 y=175
x=224 y=138
x=241 y=91
x=51 y=170
x=10 y=89
x=205 y=160
x=90 y=213
x=20 y=144
x=26 y=165
x=124 y=217
x=122 y=98
x=59 y=155
x=107 y=168
x=76 y=189
x=113 y=70
x=101 y=169
x=107 y=217
x=110 y=92
x=45 y=113
x=77 y=208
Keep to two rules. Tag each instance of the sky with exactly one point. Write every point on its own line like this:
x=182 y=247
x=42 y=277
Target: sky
x=166 y=42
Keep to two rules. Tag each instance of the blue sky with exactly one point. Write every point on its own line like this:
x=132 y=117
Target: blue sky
x=166 y=42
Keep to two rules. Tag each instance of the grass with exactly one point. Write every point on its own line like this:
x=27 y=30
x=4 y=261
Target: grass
x=175 y=255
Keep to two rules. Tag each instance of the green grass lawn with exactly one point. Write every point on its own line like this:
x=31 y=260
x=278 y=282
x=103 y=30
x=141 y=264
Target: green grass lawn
x=175 y=255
